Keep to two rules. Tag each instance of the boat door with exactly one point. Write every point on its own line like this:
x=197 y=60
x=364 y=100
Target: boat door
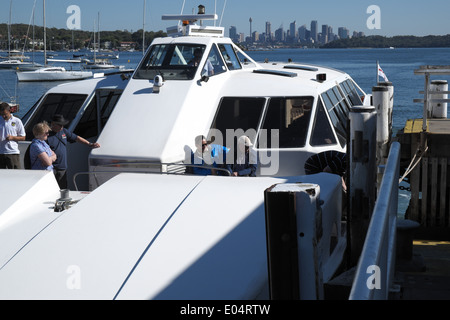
x=89 y=126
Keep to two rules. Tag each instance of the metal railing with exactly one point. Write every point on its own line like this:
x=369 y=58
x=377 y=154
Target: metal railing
x=376 y=265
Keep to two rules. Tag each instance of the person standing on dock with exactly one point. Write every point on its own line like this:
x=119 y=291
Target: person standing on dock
x=11 y=131
x=58 y=142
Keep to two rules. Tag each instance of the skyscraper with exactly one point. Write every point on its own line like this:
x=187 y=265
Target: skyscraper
x=268 y=31
x=293 y=31
x=314 y=30
x=302 y=33
x=343 y=33
x=233 y=33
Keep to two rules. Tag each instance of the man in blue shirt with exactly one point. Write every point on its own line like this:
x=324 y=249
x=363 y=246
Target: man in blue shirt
x=58 y=140
x=210 y=155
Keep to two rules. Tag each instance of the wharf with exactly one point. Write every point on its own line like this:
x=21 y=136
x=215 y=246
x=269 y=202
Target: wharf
x=427 y=275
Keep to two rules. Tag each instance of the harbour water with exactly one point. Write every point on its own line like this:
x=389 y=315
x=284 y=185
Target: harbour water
x=398 y=65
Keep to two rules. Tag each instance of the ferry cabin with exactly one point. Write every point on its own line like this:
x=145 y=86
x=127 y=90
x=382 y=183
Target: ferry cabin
x=289 y=111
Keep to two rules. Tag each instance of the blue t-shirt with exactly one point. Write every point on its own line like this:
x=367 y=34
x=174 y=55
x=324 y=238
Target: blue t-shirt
x=58 y=143
x=37 y=147
x=218 y=159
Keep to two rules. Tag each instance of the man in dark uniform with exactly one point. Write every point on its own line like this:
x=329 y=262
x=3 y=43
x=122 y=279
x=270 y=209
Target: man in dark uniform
x=58 y=140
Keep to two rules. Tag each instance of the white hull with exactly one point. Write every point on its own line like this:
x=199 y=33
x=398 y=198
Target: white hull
x=53 y=74
x=12 y=64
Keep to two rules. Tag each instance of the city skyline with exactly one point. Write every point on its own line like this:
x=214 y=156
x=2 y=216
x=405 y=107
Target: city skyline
x=294 y=34
x=399 y=17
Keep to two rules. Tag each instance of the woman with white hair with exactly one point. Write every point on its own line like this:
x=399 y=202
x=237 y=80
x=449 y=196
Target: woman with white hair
x=246 y=161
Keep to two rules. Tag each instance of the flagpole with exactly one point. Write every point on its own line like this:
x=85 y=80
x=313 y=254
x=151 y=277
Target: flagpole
x=378 y=75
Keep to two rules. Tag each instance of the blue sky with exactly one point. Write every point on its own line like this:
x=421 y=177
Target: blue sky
x=397 y=17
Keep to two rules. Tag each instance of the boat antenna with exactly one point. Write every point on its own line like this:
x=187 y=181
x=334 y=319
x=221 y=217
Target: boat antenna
x=215 y=10
x=182 y=9
x=223 y=11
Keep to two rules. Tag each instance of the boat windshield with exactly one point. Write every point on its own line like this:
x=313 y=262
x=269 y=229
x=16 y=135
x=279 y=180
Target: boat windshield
x=171 y=61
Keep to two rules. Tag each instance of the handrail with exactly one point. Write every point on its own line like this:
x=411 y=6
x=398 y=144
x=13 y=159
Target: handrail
x=75 y=176
x=375 y=270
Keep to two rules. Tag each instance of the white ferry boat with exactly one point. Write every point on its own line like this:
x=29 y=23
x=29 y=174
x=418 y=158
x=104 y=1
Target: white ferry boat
x=146 y=229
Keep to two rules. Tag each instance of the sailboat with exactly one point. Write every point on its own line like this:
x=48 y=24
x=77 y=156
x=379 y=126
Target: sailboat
x=99 y=63
x=13 y=61
x=33 y=65
x=50 y=73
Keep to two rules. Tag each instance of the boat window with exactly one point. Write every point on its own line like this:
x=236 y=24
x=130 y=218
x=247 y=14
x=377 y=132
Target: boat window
x=88 y=125
x=30 y=111
x=291 y=116
x=322 y=133
x=171 y=61
x=338 y=116
x=351 y=92
x=229 y=56
x=66 y=104
x=236 y=114
x=214 y=64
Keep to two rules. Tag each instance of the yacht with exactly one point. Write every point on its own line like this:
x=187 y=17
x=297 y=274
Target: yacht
x=50 y=73
x=14 y=64
x=99 y=64
x=143 y=227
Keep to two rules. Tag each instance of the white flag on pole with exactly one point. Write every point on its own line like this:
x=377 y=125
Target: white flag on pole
x=381 y=73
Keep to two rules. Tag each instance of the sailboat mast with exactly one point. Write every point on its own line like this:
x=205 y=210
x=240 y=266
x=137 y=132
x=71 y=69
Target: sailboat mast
x=94 y=43
x=143 y=31
x=45 y=40
x=98 y=32
x=9 y=31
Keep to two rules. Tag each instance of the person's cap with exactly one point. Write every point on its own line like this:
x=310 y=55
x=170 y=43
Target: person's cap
x=245 y=141
x=199 y=139
x=59 y=119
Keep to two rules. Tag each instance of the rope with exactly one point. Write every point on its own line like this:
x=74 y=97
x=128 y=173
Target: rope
x=409 y=169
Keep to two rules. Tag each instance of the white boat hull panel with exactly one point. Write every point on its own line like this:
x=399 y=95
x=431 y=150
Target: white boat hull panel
x=108 y=247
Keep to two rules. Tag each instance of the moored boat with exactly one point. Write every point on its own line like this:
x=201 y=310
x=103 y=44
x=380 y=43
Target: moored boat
x=53 y=74
x=148 y=229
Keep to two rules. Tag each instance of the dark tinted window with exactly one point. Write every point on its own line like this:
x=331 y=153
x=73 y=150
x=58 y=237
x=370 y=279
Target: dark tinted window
x=322 y=133
x=351 y=93
x=88 y=125
x=238 y=113
x=229 y=56
x=291 y=117
x=66 y=104
x=171 y=61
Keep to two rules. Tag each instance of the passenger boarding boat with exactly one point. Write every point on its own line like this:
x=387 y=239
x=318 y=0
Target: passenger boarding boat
x=146 y=229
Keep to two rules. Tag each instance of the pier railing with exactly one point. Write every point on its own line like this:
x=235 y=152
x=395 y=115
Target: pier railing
x=376 y=266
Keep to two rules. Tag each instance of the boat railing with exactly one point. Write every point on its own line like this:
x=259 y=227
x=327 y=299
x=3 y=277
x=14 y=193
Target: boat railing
x=126 y=167
x=376 y=265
